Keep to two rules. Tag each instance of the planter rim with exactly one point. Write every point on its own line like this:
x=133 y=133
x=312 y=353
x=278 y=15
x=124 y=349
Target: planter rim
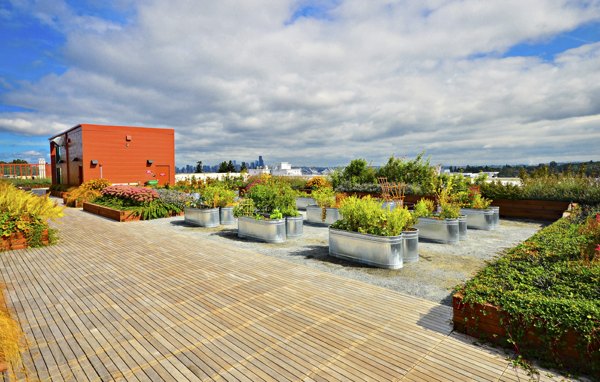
x=447 y=220
x=262 y=221
x=202 y=209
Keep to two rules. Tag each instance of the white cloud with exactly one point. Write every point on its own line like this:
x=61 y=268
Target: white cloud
x=375 y=78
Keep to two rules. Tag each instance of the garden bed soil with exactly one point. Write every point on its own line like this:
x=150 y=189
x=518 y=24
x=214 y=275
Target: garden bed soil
x=110 y=213
x=19 y=241
x=489 y=322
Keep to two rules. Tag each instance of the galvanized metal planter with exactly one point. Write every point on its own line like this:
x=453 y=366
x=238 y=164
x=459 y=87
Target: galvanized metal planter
x=302 y=203
x=270 y=231
x=444 y=231
x=294 y=226
x=462 y=227
x=479 y=219
x=379 y=251
x=314 y=215
x=496 y=210
x=411 y=246
x=203 y=217
x=388 y=205
x=226 y=216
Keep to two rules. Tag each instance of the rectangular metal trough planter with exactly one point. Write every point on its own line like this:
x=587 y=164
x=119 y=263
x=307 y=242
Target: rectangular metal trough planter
x=303 y=202
x=270 y=231
x=314 y=215
x=445 y=231
x=411 y=246
x=378 y=251
x=294 y=226
x=479 y=219
x=202 y=217
x=226 y=216
x=496 y=220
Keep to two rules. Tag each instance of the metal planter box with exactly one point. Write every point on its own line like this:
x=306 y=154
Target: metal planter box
x=226 y=216
x=293 y=226
x=496 y=210
x=411 y=246
x=203 y=217
x=313 y=215
x=479 y=219
x=270 y=231
x=462 y=227
x=302 y=203
x=443 y=231
x=379 y=251
x=388 y=205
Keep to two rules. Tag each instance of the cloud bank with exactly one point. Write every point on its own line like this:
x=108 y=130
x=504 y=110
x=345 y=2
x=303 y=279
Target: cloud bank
x=346 y=79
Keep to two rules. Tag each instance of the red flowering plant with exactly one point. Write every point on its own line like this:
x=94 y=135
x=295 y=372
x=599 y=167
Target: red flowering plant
x=145 y=202
x=136 y=194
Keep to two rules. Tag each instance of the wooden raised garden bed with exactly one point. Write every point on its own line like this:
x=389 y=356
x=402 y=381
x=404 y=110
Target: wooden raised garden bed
x=531 y=209
x=489 y=322
x=19 y=241
x=110 y=213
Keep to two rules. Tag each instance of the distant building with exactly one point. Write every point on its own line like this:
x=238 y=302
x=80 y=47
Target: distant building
x=261 y=162
x=259 y=171
x=121 y=154
x=285 y=169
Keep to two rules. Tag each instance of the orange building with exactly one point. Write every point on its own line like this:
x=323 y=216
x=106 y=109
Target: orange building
x=121 y=154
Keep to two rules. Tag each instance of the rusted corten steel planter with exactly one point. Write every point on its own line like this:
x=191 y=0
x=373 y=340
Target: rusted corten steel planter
x=110 y=213
x=490 y=323
x=531 y=209
x=19 y=241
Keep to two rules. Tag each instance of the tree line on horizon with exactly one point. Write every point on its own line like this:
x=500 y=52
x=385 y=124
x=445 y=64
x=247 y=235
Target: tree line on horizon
x=591 y=168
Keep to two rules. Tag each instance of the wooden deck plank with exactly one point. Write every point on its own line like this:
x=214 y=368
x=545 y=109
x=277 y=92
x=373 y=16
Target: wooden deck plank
x=124 y=301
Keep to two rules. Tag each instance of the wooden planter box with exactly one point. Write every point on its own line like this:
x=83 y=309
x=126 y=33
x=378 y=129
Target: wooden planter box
x=486 y=322
x=531 y=209
x=18 y=241
x=118 y=215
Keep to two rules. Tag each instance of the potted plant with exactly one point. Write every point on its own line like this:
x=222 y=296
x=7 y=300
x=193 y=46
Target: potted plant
x=251 y=224
x=370 y=234
x=442 y=227
x=325 y=211
x=204 y=211
x=479 y=215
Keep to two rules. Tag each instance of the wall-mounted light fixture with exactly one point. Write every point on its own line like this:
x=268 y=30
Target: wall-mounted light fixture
x=149 y=162
x=93 y=162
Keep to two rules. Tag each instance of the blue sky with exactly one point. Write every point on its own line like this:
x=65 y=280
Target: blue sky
x=310 y=82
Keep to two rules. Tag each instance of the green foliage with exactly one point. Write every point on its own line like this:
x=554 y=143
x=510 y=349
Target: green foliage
x=217 y=195
x=276 y=214
x=357 y=176
x=87 y=192
x=30 y=183
x=449 y=211
x=273 y=195
x=325 y=197
x=245 y=207
x=568 y=188
x=546 y=282
x=423 y=208
x=418 y=174
x=366 y=215
x=26 y=213
x=479 y=202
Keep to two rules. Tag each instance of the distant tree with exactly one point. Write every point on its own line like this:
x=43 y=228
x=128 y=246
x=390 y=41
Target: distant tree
x=199 y=166
x=19 y=161
x=230 y=167
x=244 y=167
x=223 y=167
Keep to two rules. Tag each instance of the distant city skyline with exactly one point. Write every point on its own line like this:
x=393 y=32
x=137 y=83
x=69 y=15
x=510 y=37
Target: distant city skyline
x=309 y=81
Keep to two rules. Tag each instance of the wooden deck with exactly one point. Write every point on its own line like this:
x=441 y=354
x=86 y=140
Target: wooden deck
x=131 y=301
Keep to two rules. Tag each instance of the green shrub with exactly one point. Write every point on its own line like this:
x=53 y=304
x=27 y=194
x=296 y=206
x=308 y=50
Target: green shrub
x=549 y=282
x=417 y=174
x=273 y=195
x=366 y=215
x=423 y=208
x=217 y=195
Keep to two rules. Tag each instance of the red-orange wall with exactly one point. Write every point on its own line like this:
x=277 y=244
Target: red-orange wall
x=125 y=161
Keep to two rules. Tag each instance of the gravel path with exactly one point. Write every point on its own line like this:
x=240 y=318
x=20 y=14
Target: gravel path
x=439 y=269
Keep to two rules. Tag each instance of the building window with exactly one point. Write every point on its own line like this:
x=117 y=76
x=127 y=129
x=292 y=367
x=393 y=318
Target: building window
x=58 y=155
x=58 y=175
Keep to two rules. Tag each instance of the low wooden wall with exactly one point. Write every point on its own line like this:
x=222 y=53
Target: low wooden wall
x=490 y=323
x=19 y=241
x=531 y=209
x=120 y=216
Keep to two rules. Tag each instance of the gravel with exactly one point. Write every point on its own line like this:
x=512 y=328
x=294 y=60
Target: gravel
x=440 y=267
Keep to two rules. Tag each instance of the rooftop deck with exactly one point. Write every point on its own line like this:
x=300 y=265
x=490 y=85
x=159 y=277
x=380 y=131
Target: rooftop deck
x=129 y=301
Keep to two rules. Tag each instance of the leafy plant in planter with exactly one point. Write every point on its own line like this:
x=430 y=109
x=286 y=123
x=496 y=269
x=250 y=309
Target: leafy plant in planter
x=366 y=216
x=270 y=196
x=144 y=202
x=86 y=192
x=215 y=196
x=317 y=182
x=26 y=214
